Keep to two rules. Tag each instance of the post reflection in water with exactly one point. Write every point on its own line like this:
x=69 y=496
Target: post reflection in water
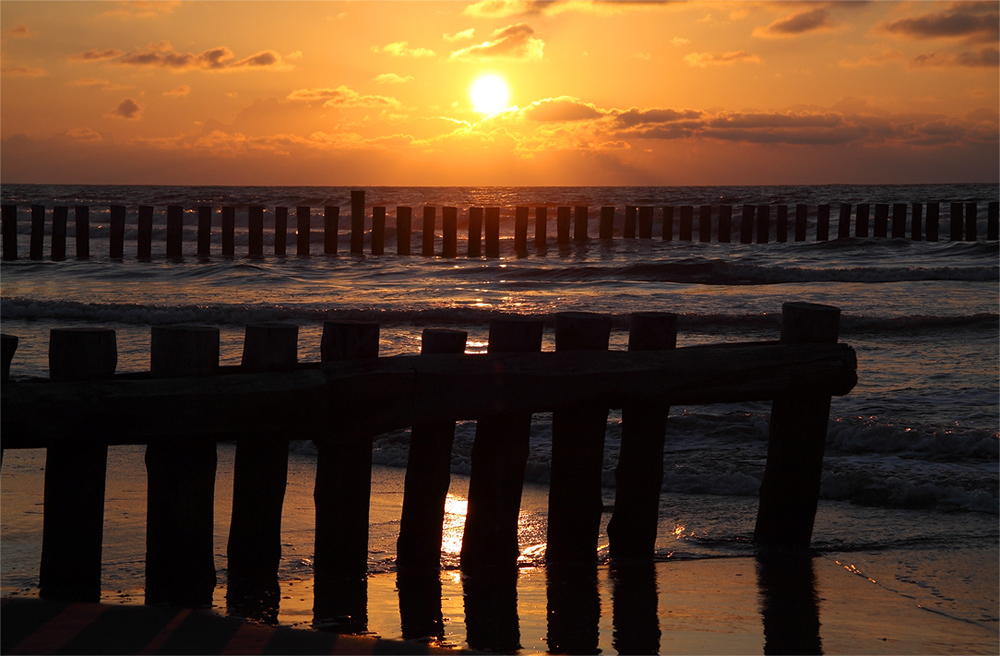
x=574 y=608
x=491 y=622
x=340 y=604
x=634 y=603
x=789 y=606
x=420 y=604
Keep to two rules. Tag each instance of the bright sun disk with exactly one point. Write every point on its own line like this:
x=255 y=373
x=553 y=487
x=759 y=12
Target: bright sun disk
x=489 y=94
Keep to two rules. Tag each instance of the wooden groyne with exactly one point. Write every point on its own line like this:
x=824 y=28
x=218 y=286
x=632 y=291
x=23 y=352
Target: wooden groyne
x=187 y=402
x=706 y=223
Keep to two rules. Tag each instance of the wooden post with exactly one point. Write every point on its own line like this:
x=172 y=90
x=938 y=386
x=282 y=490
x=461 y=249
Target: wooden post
x=646 y=222
x=73 y=501
x=255 y=228
x=970 y=222
x=521 y=231
x=144 y=235
x=607 y=230
x=725 y=224
x=449 y=231
x=116 y=235
x=475 y=231
x=541 y=219
x=933 y=210
x=705 y=223
x=881 y=219
x=8 y=345
x=789 y=492
x=378 y=230
x=639 y=476
x=916 y=228
x=573 y=608
x=499 y=455
x=229 y=231
x=781 y=229
x=303 y=214
x=562 y=225
x=993 y=221
x=764 y=224
x=175 y=231
x=490 y=605
x=37 y=232
x=331 y=229
x=343 y=495
x=628 y=231
x=575 y=503
x=861 y=217
x=428 y=474
x=9 y=214
x=668 y=223
x=280 y=231
x=823 y=223
x=357 y=222
x=204 y=231
x=260 y=475
x=430 y=216
x=957 y=222
x=59 y=216
x=492 y=232
x=746 y=224
x=801 y=213
x=580 y=221
x=82 y=232
x=403 y=218
x=899 y=221
x=844 y=225
x=687 y=218
x=180 y=501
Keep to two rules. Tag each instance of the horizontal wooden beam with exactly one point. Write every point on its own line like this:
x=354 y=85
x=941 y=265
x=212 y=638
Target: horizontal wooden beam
x=351 y=399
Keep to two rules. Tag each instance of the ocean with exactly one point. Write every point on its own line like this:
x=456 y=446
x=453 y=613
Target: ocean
x=910 y=485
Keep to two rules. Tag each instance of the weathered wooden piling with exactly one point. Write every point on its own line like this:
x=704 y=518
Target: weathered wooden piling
x=427 y=245
x=492 y=232
x=861 y=220
x=228 y=231
x=357 y=222
x=280 y=231
x=8 y=345
x=993 y=221
x=763 y=224
x=144 y=233
x=746 y=224
x=844 y=223
x=59 y=216
x=331 y=229
x=204 y=231
x=73 y=501
x=580 y=220
x=881 y=220
x=687 y=219
x=475 y=247
x=801 y=214
x=957 y=222
x=646 y=221
x=639 y=476
x=378 y=230
x=449 y=231
x=933 y=215
x=9 y=218
x=260 y=474
x=562 y=225
x=303 y=216
x=668 y=224
x=916 y=223
x=823 y=223
x=404 y=216
x=725 y=224
x=704 y=223
x=541 y=219
x=180 y=501
x=628 y=230
x=607 y=228
x=789 y=492
x=781 y=224
x=37 y=241
x=175 y=231
x=575 y=503
x=428 y=473
x=255 y=231
x=898 y=221
x=970 y=222
x=116 y=236
x=521 y=231
x=499 y=456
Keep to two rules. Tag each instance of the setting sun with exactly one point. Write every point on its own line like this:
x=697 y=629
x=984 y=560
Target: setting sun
x=489 y=94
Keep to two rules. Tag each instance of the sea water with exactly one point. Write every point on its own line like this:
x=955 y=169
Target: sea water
x=910 y=479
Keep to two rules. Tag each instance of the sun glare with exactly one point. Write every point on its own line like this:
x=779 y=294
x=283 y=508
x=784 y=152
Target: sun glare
x=489 y=94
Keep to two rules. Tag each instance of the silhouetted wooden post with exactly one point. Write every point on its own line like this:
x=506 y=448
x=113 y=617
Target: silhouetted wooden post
x=607 y=229
x=628 y=230
x=59 y=216
x=725 y=224
x=404 y=217
x=993 y=221
x=823 y=223
x=493 y=232
x=204 y=231
x=970 y=222
x=343 y=484
x=789 y=492
x=260 y=474
x=331 y=229
x=427 y=245
x=575 y=503
x=228 y=232
x=175 y=231
x=704 y=223
x=449 y=231
x=899 y=221
x=881 y=219
x=428 y=473
x=562 y=225
x=639 y=476
x=180 y=501
x=668 y=224
x=280 y=231
x=933 y=210
x=9 y=232
x=861 y=218
x=8 y=345
x=73 y=503
x=499 y=455
x=916 y=227
x=746 y=224
x=475 y=231
x=144 y=234
x=580 y=221
x=844 y=224
x=687 y=219
x=801 y=214
x=255 y=230
x=781 y=225
x=646 y=221
x=957 y=222
x=541 y=219
x=116 y=235
x=763 y=224
x=303 y=216
x=378 y=230
x=82 y=232
x=521 y=231
x=37 y=232
x=357 y=222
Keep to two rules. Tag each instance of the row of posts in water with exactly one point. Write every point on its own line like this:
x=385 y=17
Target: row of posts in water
x=572 y=223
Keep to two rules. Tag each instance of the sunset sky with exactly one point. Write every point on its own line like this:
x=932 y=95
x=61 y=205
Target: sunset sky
x=621 y=93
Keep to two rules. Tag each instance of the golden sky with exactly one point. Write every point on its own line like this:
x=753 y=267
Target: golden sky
x=618 y=93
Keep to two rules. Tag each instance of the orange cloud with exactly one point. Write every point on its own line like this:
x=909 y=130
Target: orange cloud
x=178 y=92
x=403 y=49
x=18 y=32
x=163 y=55
x=873 y=60
x=126 y=109
x=341 y=97
x=983 y=58
x=23 y=71
x=804 y=22
x=511 y=42
x=706 y=59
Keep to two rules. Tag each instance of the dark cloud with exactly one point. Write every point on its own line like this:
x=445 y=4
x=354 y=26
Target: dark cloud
x=984 y=58
x=963 y=21
x=560 y=109
x=126 y=109
x=807 y=21
x=654 y=116
x=97 y=55
x=163 y=55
